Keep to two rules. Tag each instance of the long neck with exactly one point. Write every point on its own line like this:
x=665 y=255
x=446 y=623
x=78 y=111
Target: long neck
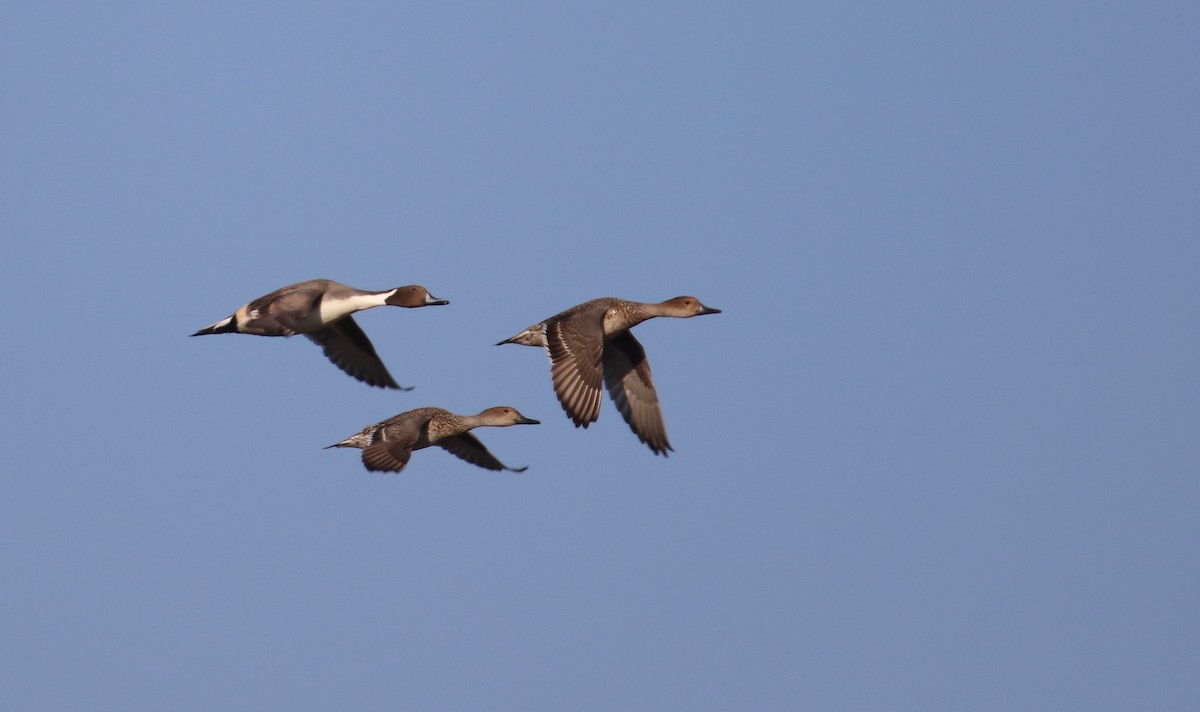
x=334 y=309
x=474 y=421
x=628 y=315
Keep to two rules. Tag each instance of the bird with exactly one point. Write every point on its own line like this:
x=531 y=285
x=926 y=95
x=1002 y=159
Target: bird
x=592 y=342
x=321 y=310
x=387 y=446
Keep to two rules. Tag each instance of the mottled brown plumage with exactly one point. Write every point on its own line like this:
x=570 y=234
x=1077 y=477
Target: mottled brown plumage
x=388 y=445
x=590 y=344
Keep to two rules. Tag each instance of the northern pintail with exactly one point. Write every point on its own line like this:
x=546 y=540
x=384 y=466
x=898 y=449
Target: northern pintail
x=387 y=446
x=321 y=310
x=590 y=343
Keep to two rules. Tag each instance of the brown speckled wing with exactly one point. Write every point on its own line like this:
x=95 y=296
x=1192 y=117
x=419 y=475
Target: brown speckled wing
x=627 y=376
x=386 y=457
x=393 y=441
x=574 y=345
x=345 y=344
x=469 y=448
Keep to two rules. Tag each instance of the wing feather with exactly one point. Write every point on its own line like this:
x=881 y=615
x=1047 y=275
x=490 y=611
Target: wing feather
x=627 y=377
x=468 y=447
x=346 y=345
x=575 y=347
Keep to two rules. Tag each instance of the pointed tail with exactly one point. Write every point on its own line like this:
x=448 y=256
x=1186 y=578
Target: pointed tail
x=223 y=326
x=358 y=440
x=533 y=336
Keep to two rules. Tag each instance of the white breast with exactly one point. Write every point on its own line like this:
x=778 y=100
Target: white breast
x=333 y=309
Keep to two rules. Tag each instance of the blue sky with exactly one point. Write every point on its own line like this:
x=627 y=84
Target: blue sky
x=939 y=451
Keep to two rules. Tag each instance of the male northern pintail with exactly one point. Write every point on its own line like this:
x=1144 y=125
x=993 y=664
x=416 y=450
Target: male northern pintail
x=321 y=310
x=591 y=342
x=387 y=446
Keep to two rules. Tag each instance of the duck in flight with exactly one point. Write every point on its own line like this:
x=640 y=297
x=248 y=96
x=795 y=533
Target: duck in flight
x=591 y=343
x=388 y=445
x=321 y=310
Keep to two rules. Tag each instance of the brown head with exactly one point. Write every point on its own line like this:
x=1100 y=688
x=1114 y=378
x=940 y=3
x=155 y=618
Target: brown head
x=504 y=415
x=414 y=295
x=684 y=307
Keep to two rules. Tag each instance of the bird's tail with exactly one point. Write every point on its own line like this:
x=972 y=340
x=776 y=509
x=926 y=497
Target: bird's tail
x=533 y=336
x=358 y=440
x=223 y=326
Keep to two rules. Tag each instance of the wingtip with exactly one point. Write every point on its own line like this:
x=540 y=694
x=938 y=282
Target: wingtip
x=391 y=385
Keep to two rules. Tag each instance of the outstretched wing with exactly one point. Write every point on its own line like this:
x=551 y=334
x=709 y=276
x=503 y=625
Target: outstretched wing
x=469 y=448
x=575 y=345
x=345 y=344
x=627 y=377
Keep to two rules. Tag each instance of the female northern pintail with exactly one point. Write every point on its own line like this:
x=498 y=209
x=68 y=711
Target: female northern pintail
x=387 y=446
x=320 y=309
x=591 y=342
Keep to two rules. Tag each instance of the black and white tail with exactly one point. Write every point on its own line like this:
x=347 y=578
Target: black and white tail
x=223 y=326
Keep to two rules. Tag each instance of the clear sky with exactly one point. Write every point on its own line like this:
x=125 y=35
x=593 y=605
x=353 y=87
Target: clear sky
x=939 y=451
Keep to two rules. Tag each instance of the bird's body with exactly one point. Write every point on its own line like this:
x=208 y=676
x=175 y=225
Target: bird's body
x=591 y=343
x=321 y=310
x=387 y=446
